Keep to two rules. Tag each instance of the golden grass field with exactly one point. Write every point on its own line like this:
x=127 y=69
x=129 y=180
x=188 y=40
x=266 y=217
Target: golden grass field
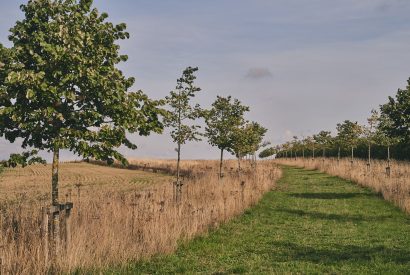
x=32 y=183
x=120 y=215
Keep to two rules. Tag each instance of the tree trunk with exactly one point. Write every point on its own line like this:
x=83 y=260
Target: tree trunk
x=352 y=154
x=303 y=152
x=55 y=226
x=369 y=156
x=220 y=163
x=338 y=154
x=313 y=152
x=178 y=161
x=388 y=169
x=239 y=163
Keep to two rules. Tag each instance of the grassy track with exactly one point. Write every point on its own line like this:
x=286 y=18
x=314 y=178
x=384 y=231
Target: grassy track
x=313 y=223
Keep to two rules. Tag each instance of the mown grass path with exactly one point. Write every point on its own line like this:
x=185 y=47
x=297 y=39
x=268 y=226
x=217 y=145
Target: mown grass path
x=312 y=223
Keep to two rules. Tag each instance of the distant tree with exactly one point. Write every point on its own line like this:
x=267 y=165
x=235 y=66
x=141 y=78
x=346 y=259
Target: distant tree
x=324 y=140
x=349 y=134
x=311 y=144
x=398 y=112
x=24 y=159
x=222 y=120
x=61 y=89
x=181 y=112
x=384 y=138
x=267 y=152
x=369 y=133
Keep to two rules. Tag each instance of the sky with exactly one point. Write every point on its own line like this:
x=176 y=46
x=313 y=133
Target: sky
x=301 y=66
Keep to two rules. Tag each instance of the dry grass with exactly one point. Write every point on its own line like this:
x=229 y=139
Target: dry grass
x=114 y=225
x=395 y=188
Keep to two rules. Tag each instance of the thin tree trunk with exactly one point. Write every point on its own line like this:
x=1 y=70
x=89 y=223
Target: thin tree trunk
x=303 y=152
x=220 y=163
x=369 y=156
x=178 y=162
x=313 y=152
x=338 y=154
x=352 y=154
x=239 y=163
x=388 y=169
x=55 y=208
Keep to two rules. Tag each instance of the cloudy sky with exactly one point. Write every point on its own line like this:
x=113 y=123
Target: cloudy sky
x=301 y=65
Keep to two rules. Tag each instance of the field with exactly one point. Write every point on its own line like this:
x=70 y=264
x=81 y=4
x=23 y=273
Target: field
x=394 y=188
x=120 y=215
x=32 y=183
x=312 y=223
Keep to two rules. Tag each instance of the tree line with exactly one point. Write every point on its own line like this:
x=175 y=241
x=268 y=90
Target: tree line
x=386 y=135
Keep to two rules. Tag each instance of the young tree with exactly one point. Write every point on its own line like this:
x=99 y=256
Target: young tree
x=382 y=136
x=324 y=140
x=224 y=117
x=181 y=112
x=398 y=112
x=61 y=88
x=349 y=133
x=369 y=133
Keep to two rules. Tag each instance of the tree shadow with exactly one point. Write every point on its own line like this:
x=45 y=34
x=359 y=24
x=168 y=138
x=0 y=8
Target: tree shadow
x=334 y=217
x=330 y=195
x=339 y=253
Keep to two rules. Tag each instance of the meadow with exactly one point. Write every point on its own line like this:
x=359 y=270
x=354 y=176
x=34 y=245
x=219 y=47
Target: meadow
x=393 y=186
x=120 y=215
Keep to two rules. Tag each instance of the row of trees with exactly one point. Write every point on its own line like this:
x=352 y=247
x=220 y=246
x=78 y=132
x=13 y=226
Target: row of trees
x=386 y=128
x=60 y=88
x=225 y=125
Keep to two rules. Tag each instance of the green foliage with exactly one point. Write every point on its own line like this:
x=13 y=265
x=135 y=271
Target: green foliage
x=24 y=159
x=60 y=87
x=223 y=120
x=180 y=109
x=348 y=133
x=267 y=152
x=397 y=110
x=247 y=139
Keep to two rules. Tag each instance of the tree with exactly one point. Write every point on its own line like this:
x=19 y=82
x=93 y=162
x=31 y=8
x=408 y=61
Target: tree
x=383 y=137
x=324 y=140
x=222 y=120
x=349 y=133
x=310 y=143
x=61 y=88
x=268 y=152
x=369 y=133
x=398 y=112
x=182 y=112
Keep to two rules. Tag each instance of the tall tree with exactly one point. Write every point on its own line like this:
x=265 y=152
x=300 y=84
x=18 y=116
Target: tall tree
x=224 y=117
x=182 y=113
x=61 y=88
x=398 y=112
x=349 y=133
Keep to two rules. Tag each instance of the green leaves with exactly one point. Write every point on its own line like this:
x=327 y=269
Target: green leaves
x=181 y=114
x=222 y=120
x=397 y=113
x=59 y=83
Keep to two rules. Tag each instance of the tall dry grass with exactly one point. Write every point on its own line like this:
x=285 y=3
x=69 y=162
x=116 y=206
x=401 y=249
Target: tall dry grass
x=111 y=226
x=394 y=188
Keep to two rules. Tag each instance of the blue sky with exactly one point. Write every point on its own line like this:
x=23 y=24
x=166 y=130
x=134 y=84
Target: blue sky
x=301 y=66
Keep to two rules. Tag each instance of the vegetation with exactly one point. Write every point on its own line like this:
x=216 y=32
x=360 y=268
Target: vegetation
x=120 y=215
x=222 y=121
x=312 y=223
x=181 y=112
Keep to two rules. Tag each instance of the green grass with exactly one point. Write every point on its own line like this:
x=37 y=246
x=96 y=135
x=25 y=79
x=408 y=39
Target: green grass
x=312 y=223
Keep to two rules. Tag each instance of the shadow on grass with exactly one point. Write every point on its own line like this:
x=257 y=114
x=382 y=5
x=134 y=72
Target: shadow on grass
x=330 y=195
x=339 y=253
x=334 y=217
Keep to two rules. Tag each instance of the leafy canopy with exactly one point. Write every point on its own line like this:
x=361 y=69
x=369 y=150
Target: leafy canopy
x=180 y=109
x=222 y=120
x=60 y=87
x=348 y=133
x=397 y=110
